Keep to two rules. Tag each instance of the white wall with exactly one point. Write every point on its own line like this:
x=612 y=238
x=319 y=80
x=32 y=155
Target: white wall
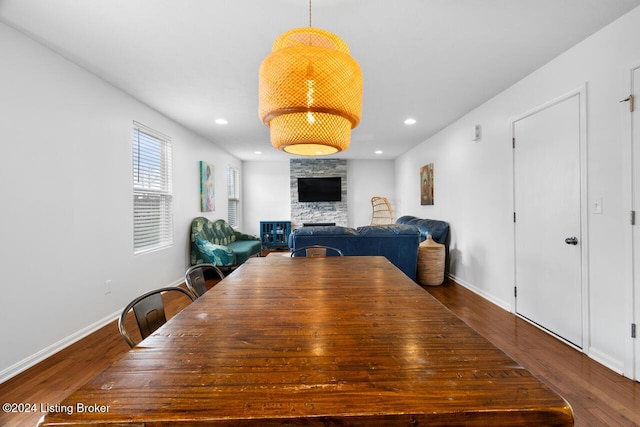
x=266 y=190
x=66 y=192
x=368 y=178
x=265 y=193
x=474 y=183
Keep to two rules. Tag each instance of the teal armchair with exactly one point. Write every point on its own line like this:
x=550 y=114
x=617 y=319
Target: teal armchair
x=215 y=242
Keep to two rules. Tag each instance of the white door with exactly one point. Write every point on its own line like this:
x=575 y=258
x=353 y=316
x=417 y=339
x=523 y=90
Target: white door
x=635 y=147
x=547 y=193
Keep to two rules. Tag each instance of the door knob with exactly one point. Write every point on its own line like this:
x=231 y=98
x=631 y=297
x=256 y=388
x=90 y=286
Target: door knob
x=571 y=240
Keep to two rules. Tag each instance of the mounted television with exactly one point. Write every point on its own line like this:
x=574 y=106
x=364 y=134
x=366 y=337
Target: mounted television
x=328 y=189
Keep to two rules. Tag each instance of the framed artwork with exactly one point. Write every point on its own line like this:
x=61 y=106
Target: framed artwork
x=426 y=184
x=207 y=187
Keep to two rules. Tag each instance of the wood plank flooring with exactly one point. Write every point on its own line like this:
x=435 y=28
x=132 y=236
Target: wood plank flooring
x=599 y=397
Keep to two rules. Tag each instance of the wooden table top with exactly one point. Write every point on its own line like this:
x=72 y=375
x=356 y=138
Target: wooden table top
x=315 y=341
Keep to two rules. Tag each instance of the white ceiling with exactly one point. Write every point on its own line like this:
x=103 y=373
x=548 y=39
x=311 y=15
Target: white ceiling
x=198 y=60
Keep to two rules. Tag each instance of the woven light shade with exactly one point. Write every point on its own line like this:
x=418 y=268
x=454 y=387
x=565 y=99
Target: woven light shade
x=310 y=92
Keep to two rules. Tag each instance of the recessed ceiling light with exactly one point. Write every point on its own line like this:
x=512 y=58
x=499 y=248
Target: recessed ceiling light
x=410 y=121
x=221 y=121
x=378 y=152
x=257 y=152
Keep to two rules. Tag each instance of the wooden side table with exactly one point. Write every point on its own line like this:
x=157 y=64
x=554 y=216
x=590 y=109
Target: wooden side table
x=431 y=256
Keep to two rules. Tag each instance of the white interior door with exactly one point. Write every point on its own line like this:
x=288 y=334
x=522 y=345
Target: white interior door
x=547 y=195
x=635 y=147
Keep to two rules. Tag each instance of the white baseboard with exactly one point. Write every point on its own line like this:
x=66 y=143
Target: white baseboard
x=593 y=353
x=49 y=351
x=502 y=304
x=606 y=360
x=30 y=361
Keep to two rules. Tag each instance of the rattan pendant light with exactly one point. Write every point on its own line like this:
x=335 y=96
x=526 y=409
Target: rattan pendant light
x=310 y=92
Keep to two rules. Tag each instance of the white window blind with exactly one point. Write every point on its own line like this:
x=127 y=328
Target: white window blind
x=152 y=198
x=233 y=196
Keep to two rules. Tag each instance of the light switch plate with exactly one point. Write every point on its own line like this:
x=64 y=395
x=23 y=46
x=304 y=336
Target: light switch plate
x=596 y=206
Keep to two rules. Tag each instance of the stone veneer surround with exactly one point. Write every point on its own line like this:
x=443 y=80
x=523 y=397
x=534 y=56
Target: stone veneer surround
x=318 y=211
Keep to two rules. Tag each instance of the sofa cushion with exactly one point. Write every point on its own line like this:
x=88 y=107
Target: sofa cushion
x=334 y=236
x=319 y=234
x=387 y=230
x=244 y=249
x=221 y=232
x=326 y=229
x=439 y=230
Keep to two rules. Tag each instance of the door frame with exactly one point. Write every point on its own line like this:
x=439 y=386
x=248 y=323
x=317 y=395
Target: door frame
x=581 y=93
x=632 y=245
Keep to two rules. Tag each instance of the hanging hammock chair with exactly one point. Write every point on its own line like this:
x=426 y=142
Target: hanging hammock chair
x=382 y=212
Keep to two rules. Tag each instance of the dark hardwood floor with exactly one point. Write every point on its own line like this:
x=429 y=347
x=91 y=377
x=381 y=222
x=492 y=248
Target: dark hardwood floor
x=598 y=396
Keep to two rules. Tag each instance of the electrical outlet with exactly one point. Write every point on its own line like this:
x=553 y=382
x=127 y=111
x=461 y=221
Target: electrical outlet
x=107 y=287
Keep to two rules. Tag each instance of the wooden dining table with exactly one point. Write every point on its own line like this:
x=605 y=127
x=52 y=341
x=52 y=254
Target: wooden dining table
x=344 y=341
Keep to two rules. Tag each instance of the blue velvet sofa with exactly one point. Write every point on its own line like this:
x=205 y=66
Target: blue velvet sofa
x=439 y=231
x=398 y=243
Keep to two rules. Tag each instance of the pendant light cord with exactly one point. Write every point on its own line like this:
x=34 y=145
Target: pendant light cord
x=309 y=13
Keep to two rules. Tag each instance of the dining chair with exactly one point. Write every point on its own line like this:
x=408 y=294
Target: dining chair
x=149 y=312
x=195 y=278
x=316 y=251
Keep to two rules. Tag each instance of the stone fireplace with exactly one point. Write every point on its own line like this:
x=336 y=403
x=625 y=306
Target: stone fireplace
x=318 y=212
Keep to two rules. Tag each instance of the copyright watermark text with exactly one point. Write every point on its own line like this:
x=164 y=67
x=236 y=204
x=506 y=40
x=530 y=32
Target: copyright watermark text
x=25 y=407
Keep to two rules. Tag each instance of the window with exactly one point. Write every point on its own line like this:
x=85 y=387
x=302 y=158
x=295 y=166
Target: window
x=234 y=197
x=152 y=199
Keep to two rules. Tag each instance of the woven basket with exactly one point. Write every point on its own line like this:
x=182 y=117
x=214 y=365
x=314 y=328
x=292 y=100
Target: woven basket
x=431 y=262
